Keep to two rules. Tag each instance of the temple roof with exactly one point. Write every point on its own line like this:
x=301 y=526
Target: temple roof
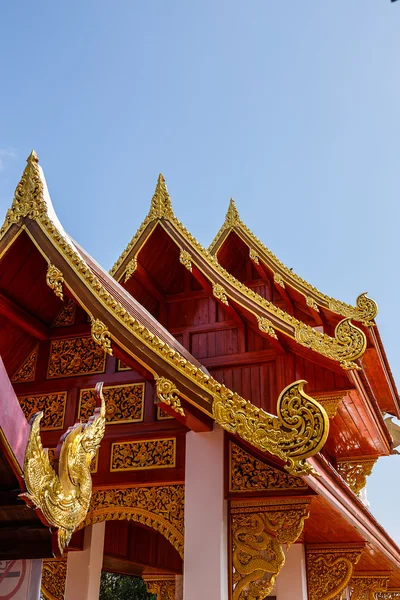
x=118 y=318
x=365 y=310
x=349 y=342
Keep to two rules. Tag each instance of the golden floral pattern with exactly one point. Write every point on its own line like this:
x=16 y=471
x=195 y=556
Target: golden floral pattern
x=52 y=405
x=366 y=586
x=329 y=570
x=26 y=372
x=162 y=586
x=54 y=574
x=66 y=316
x=124 y=403
x=248 y=474
x=355 y=472
x=70 y=357
x=143 y=454
x=159 y=507
x=55 y=280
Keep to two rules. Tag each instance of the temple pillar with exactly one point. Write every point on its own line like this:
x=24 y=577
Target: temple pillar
x=292 y=580
x=205 y=560
x=84 y=567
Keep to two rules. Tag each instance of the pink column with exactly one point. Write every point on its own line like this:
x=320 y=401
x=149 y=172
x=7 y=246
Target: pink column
x=205 y=573
x=84 y=567
x=291 y=582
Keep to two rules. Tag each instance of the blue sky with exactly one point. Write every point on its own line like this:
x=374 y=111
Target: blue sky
x=290 y=107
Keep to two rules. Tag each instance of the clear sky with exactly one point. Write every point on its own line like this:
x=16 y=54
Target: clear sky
x=289 y=106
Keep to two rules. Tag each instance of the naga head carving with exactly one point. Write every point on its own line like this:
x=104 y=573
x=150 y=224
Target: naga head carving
x=63 y=498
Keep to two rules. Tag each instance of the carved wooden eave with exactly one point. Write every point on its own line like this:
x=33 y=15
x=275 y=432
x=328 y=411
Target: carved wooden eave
x=120 y=322
x=332 y=488
x=365 y=310
x=349 y=343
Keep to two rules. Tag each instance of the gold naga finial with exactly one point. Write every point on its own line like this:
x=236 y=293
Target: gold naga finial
x=232 y=216
x=64 y=498
x=29 y=195
x=161 y=206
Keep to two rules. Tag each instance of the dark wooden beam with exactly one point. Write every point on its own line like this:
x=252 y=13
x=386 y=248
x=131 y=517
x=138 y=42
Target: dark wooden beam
x=23 y=319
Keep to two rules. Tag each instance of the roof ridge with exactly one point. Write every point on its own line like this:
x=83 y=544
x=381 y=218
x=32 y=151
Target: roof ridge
x=365 y=310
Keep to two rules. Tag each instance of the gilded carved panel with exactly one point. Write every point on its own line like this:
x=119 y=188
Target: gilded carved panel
x=162 y=586
x=71 y=357
x=53 y=407
x=161 y=415
x=248 y=474
x=159 y=507
x=124 y=403
x=54 y=573
x=143 y=454
x=26 y=372
x=258 y=533
x=66 y=316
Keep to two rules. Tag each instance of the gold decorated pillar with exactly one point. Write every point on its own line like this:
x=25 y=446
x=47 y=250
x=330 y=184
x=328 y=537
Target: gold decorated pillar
x=259 y=530
x=368 y=585
x=329 y=569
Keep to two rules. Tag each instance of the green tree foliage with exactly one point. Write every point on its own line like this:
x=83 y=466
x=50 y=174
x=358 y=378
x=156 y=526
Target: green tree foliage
x=123 y=587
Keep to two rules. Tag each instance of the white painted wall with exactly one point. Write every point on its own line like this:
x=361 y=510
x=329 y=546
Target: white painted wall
x=291 y=583
x=206 y=547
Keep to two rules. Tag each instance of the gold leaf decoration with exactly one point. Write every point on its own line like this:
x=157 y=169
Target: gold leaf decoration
x=311 y=303
x=299 y=431
x=186 y=260
x=158 y=507
x=51 y=404
x=26 y=372
x=329 y=570
x=28 y=197
x=220 y=293
x=124 y=403
x=168 y=394
x=365 y=310
x=258 y=534
x=366 y=586
x=101 y=335
x=254 y=256
x=143 y=454
x=66 y=316
x=356 y=471
x=330 y=401
x=63 y=499
x=265 y=325
x=161 y=206
x=278 y=279
x=54 y=575
x=70 y=357
x=130 y=269
x=349 y=342
x=55 y=280
x=391 y=594
x=248 y=474
x=163 y=586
